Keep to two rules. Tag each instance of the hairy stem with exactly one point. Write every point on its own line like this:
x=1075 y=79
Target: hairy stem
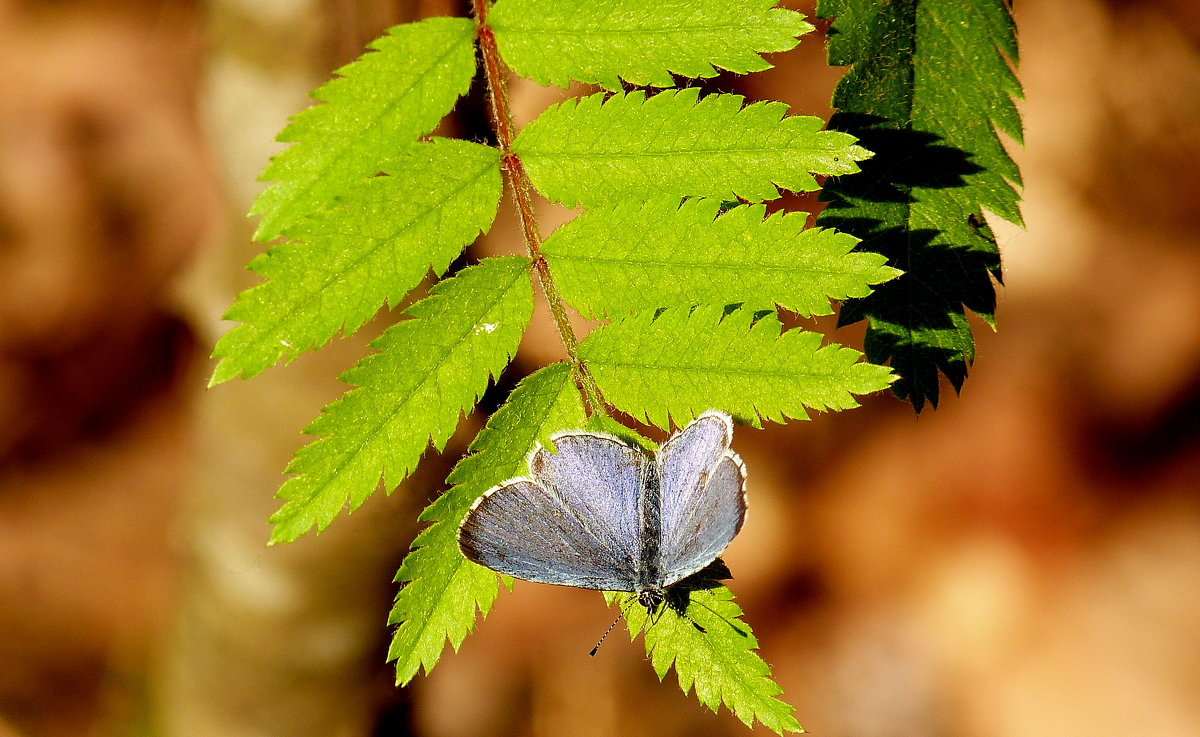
x=503 y=127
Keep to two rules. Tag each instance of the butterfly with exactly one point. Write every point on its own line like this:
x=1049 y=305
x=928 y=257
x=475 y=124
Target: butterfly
x=602 y=514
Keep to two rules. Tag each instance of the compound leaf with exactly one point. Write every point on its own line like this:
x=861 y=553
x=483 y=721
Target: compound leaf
x=636 y=256
x=428 y=371
x=929 y=86
x=377 y=105
x=669 y=366
x=605 y=41
x=440 y=589
x=348 y=261
x=593 y=151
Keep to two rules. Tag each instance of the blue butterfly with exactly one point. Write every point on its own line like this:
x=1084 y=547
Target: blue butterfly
x=602 y=514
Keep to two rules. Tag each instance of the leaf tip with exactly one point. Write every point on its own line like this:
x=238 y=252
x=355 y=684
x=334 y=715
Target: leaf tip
x=224 y=371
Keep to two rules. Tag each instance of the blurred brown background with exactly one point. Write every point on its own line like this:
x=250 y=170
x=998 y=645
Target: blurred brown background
x=1023 y=561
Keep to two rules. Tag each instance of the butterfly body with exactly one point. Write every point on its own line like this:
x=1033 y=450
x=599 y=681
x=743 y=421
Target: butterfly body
x=602 y=514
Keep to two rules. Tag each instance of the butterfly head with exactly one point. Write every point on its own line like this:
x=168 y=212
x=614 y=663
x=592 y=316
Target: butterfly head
x=651 y=597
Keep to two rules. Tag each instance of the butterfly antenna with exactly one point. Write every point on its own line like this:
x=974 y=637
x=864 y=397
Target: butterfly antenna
x=607 y=631
x=605 y=635
x=723 y=618
x=680 y=611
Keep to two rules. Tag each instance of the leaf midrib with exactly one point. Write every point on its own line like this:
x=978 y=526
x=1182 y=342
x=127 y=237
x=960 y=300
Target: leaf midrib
x=676 y=30
x=730 y=266
x=668 y=152
x=708 y=369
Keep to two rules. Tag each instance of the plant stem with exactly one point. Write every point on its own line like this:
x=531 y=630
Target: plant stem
x=502 y=126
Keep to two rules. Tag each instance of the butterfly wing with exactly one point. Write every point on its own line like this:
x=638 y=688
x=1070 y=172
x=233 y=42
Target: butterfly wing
x=601 y=478
x=703 y=495
x=572 y=523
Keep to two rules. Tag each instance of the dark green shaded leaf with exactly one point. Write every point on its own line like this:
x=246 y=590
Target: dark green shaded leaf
x=929 y=85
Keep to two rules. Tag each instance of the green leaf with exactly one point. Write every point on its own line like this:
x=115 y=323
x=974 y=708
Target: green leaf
x=599 y=41
x=349 y=261
x=441 y=589
x=593 y=151
x=929 y=86
x=379 y=104
x=610 y=426
x=720 y=664
x=669 y=368
x=429 y=370
x=636 y=256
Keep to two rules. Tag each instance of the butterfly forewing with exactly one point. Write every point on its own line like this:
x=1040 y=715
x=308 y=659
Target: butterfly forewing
x=703 y=501
x=574 y=515
x=599 y=478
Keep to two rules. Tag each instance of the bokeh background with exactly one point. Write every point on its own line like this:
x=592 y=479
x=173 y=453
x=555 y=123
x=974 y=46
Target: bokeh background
x=1023 y=561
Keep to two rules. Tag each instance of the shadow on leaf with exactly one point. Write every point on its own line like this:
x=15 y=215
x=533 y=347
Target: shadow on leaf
x=679 y=596
x=904 y=160
x=916 y=322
